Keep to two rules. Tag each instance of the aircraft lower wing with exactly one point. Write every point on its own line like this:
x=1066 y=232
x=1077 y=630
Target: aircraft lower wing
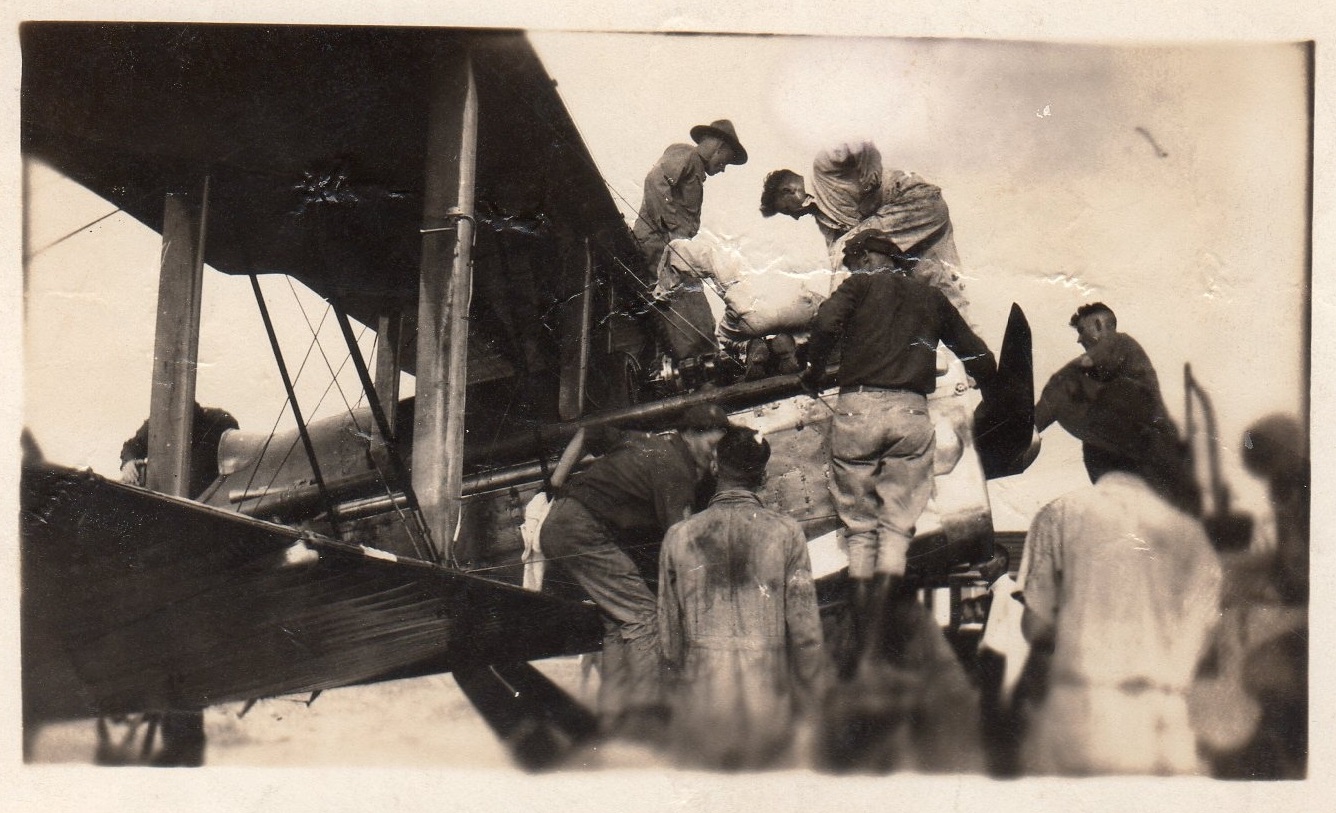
x=136 y=601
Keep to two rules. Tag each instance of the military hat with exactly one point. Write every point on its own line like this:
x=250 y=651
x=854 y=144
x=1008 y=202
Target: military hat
x=723 y=130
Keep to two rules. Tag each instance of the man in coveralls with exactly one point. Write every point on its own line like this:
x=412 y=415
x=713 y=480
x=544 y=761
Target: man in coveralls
x=738 y=621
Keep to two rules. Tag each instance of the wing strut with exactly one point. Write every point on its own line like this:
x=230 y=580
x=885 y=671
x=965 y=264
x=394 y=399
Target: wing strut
x=445 y=289
x=176 y=342
x=383 y=426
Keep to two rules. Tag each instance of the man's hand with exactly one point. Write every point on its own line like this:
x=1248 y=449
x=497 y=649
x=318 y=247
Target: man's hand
x=1032 y=451
x=810 y=379
x=133 y=472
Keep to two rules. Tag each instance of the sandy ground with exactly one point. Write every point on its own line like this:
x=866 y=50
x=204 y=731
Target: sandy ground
x=421 y=722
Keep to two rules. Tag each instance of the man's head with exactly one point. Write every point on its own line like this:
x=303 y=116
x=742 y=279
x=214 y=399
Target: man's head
x=871 y=251
x=784 y=192
x=702 y=426
x=1127 y=434
x=718 y=145
x=742 y=459
x=1094 y=323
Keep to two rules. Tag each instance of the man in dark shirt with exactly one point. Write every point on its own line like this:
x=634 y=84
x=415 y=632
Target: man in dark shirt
x=206 y=432
x=1089 y=394
x=888 y=326
x=606 y=528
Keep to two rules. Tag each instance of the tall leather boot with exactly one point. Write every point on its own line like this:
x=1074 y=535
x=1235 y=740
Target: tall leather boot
x=859 y=599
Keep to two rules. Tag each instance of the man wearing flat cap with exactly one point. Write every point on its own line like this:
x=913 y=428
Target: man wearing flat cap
x=671 y=210
x=888 y=325
x=605 y=530
x=738 y=621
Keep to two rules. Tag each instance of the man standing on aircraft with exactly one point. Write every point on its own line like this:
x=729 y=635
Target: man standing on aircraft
x=182 y=731
x=888 y=325
x=1113 y=368
x=671 y=209
x=738 y=621
x=851 y=192
x=605 y=529
x=1121 y=589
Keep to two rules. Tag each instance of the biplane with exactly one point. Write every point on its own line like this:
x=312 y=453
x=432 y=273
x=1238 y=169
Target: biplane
x=430 y=185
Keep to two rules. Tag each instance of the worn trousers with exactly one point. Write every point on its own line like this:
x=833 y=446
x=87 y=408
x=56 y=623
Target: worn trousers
x=585 y=547
x=881 y=450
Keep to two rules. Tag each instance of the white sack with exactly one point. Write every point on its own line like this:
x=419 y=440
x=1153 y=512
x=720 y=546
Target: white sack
x=759 y=301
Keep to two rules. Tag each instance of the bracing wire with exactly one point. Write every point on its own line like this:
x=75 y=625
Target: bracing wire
x=273 y=430
x=583 y=155
x=315 y=333
x=77 y=231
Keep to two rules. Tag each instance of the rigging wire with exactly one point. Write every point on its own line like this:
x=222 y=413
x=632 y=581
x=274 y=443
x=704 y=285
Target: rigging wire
x=581 y=151
x=382 y=426
x=293 y=446
x=292 y=399
x=404 y=519
x=80 y=230
x=278 y=419
x=315 y=334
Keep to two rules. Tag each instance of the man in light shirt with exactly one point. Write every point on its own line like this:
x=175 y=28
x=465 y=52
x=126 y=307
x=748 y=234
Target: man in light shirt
x=1121 y=589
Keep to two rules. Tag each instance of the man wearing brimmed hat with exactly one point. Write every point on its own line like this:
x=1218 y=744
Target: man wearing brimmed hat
x=1121 y=589
x=888 y=326
x=738 y=620
x=671 y=210
x=605 y=530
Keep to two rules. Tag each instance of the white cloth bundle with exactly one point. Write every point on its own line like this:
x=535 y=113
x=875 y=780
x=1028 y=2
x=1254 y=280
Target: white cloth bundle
x=758 y=301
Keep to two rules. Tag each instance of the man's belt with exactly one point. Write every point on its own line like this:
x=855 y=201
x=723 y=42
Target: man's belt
x=748 y=643
x=1131 y=685
x=875 y=388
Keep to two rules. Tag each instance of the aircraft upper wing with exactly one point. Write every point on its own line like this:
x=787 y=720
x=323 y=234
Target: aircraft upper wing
x=314 y=143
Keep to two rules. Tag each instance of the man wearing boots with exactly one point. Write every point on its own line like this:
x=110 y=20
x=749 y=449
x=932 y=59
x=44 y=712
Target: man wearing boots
x=903 y=701
x=888 y=326
x=671 y=209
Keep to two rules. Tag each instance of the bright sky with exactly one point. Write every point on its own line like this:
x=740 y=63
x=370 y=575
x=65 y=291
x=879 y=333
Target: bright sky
x=92 y=300
x=1050 y=159
x=1168 y=182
